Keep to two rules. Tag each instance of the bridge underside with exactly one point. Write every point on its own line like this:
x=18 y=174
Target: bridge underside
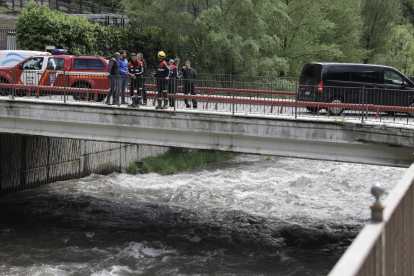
x=268 y=135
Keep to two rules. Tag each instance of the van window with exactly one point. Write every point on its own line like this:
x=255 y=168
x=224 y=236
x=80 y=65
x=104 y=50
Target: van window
x=88 y=64
x=309 y=73
x=365 y=74
x=55 y=63
x=339 y=73
x=391 y=77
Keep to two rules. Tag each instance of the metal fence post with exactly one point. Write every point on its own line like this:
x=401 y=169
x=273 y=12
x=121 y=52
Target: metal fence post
x=232 y=84
x=296 y=100
x=117 y=92
x=12 y=74
x=64 y=86
x=363 y=103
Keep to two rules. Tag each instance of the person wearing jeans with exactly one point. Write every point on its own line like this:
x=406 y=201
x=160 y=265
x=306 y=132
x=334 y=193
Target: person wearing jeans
x=123 y=74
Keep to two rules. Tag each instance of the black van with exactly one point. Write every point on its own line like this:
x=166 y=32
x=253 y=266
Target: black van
x=354 y=84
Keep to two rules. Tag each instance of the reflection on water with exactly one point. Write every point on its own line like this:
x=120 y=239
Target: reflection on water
x=245 y=216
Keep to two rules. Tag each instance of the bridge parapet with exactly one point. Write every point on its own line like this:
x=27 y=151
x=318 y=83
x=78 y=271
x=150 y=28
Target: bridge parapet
x=246 y=133
x=385 y=248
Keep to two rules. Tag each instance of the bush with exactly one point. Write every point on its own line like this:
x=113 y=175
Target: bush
x=176 y=160
x=132 y=168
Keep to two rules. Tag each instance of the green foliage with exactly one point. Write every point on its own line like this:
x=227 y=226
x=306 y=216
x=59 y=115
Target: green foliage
x=236 y=40
x=3 y=10
x=176 y=160
x=268 y=158
x=340 y=120
x=38 y=25
x=379 y=17
x=132 y=168
x=399 y=50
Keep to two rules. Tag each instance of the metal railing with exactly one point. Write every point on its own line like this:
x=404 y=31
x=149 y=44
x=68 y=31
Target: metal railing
x=384 y=247
x=219 y=93
x=67 y=6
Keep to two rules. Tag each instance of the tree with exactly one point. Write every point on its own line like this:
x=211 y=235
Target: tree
x=399 y=51
x=379 y=18
x=320 y=30
x=235 y=38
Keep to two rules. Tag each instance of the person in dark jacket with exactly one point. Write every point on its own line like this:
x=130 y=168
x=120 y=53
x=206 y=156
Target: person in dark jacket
x=113 y=75
x=173 y=80
x=135 y=71
x=162 y=75
x=189 y=77
x=144 y=71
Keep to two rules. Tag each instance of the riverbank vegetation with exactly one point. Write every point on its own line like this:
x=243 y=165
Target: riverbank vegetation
x=176 y=160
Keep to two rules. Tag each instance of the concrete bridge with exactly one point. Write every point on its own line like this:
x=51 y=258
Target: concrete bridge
x=312 y=138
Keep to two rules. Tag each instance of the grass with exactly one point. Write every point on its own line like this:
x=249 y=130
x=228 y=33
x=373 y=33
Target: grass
x=176 y=160
x=340 y=120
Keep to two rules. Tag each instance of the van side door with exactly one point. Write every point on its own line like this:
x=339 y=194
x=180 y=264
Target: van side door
x=337 y=83
x=369 y=78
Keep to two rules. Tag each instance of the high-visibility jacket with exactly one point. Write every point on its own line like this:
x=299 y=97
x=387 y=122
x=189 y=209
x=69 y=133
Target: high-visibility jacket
x=163 y=70
x=135 y=68
x=174 y=72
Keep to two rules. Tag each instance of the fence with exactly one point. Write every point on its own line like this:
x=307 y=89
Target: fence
x=219 y=93
x=8 y=39
x=385 y=248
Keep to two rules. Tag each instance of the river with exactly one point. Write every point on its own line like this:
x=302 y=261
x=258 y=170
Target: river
x=245 y=216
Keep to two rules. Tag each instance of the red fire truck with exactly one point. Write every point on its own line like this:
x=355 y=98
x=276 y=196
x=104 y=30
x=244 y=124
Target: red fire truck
x=83 y=77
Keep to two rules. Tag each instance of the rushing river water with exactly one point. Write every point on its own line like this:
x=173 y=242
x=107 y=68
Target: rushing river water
x=245 y=216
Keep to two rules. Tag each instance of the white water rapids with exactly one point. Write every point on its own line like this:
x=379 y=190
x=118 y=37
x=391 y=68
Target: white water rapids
x=245 y=216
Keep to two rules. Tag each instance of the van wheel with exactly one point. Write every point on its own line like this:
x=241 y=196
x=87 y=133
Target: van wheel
x=4 y=91
x=411 y=114
x=80 y=96
x=336 y=111
x=313 y=110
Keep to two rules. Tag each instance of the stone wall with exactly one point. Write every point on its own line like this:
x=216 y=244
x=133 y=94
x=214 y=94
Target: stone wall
x=7 y=22
x=27 y=162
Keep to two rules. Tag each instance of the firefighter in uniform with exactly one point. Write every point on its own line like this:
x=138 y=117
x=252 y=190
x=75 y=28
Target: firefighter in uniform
x=173 y=80
x=135 y=70
x=162 y=73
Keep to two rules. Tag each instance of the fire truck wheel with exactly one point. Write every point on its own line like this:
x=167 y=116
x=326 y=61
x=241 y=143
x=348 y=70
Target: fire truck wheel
x=80 y=96
x=4 y=91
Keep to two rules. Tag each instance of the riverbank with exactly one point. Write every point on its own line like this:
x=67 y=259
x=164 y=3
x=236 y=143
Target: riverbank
x=176 y=159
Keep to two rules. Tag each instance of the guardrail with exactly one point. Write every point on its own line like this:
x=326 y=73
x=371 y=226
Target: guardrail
x=385 y=246
x=282 y=96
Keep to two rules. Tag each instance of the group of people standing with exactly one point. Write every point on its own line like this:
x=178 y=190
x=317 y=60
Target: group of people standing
x=166 y=74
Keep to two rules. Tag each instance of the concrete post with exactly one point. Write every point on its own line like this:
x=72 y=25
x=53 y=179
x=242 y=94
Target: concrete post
x=377 y=208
